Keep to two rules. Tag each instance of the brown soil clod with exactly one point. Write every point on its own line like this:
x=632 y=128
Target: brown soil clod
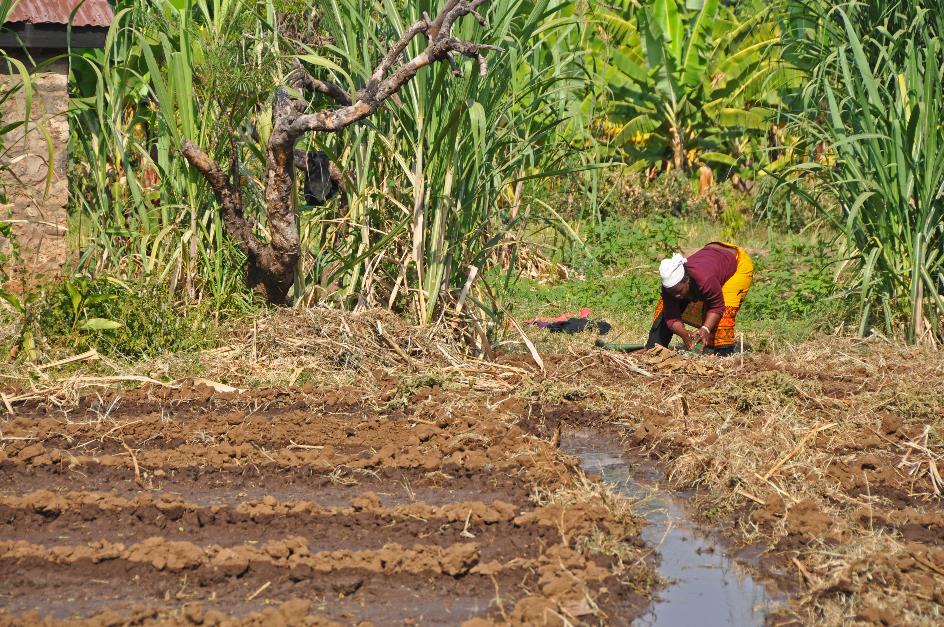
x=442 y=497
x=319 y=507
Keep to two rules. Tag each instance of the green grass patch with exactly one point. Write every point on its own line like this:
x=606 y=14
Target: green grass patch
x=133 y=321
x=794 y=296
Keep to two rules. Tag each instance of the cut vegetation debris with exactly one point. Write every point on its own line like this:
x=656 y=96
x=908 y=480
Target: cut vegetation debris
x=826 y=458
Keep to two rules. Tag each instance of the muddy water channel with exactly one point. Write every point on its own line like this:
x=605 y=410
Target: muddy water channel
x=704 y=585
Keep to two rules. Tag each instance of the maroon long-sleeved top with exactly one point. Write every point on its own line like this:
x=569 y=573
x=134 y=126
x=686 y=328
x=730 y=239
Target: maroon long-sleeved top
x=709 y=269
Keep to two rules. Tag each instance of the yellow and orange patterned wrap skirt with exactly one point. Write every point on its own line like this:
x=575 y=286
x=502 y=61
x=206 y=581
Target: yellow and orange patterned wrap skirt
x=734 y=290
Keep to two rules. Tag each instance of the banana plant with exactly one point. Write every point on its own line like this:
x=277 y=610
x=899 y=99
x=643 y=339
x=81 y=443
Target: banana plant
x=689 y=84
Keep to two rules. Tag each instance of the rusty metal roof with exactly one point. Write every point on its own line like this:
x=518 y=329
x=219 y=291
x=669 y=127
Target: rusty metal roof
x=90 y=13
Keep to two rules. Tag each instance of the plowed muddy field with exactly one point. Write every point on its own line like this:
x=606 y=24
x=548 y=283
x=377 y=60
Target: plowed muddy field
x=304 y=506
x=441 y=494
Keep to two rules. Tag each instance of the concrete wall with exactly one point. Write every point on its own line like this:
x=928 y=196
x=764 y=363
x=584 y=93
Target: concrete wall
x=39 y=219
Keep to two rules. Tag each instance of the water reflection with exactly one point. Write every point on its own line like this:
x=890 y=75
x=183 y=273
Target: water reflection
x=704 y=586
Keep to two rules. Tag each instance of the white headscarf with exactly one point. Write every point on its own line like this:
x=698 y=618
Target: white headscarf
x=672 y=270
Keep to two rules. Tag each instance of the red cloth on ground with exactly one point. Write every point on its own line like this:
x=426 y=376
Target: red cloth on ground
x=584 y=313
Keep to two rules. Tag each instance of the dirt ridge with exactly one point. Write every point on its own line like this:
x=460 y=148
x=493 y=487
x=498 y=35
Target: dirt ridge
x=191 y=507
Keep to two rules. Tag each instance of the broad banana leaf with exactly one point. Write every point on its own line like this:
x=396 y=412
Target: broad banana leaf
x=757 y=118
x=640 y=124
x=694 y=61
x=667 y=21
x=718 y=157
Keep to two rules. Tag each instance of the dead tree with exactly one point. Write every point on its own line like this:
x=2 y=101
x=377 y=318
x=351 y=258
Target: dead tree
x=271 y=266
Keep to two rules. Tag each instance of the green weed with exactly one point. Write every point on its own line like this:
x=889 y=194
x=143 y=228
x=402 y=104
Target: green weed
x=734 y=223
x=795 y=281
x=132 y=321
x=768 y=388
x=618 y=242
x=408 y=385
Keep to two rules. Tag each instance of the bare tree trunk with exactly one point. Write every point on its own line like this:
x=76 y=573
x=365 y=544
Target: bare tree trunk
x=271 y=266
x=277 y=275
x=679 y=158
x=706 y=180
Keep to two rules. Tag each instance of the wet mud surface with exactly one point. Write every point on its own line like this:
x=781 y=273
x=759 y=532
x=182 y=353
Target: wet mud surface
x=312 y=508
x=821 y=467
x=706 y=582
x=822 y=462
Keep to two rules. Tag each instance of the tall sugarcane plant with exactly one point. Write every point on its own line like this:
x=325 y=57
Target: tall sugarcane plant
x=444 y=155
x=418 y=194
x=142 y=212
x=875 y=130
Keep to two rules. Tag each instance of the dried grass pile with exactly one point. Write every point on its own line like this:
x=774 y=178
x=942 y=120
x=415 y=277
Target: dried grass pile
x=283 y=347
x=829 y=455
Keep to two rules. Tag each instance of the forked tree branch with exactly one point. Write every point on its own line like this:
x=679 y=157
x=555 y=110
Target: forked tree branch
x=271 y=266
x=442 y=46
x=448 y=8
x=300 y=78
x=227 y=194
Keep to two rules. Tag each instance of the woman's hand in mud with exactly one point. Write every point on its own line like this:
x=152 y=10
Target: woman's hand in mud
x=678 y=328
x=701 y=336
